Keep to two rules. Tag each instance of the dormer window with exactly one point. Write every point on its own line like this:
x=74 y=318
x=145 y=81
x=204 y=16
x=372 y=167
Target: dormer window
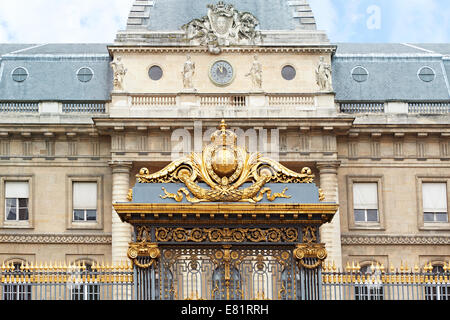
x=19 y=74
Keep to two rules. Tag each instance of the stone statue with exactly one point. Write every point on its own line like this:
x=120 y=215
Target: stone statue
x=256 y=73
x=188 y=73
x=119 y=73
x=323 y=75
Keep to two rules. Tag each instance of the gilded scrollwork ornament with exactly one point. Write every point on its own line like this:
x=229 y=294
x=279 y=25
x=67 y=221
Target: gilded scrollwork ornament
x=146 y=250
x=225 y=167
x=143 y=248
x=310 y=249
x=216 y=235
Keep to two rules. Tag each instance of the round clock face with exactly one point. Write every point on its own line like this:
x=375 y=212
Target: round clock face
x=221 y=73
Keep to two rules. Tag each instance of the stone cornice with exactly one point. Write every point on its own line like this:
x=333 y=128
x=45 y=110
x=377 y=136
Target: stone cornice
x=56 y=238
x=272 y=49
x=361 y=239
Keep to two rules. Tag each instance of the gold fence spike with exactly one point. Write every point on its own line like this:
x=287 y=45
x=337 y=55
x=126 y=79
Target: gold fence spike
x=358 y=267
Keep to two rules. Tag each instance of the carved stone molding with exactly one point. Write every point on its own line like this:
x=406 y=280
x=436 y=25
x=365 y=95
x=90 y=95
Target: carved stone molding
x=56 y=238
x=395 y=240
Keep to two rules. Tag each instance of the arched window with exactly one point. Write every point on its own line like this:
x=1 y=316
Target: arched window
x=371 y=286
x=17 y=290
x=435 y=290
x=81 y=289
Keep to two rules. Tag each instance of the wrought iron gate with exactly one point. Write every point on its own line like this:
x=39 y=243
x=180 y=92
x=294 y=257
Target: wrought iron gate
x=227 y=273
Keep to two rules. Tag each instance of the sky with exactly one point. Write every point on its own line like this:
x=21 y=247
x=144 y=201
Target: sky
x=91 y=21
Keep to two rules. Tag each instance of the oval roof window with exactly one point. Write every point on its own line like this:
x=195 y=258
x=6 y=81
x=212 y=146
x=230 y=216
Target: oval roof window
x=360 y=74
x=19 y=74
x=426 y=74
x=85 y=74
x=288 y=72
x=155 y=73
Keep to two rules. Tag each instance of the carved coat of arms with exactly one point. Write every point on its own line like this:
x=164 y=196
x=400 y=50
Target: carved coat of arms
x=223 y=26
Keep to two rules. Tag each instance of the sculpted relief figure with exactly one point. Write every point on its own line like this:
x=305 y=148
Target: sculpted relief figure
x=188 y=74
x=323 y=75
x=119 y=73
x=222 y=26
x=256 y=73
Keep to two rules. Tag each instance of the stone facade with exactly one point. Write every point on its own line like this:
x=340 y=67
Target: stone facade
x=51 y=148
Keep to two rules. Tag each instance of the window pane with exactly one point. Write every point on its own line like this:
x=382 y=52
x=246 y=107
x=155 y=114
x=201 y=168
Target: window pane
x=85 y=195
x=11 y=209
x=428 y=217
x=91 y=215
x=360 y=215
x=23 y=214
x=23 y=203
x=434 y=197
x=372 y=215
x=17 y=190
x=78 y=215
x=365 y=195
x=442 y=217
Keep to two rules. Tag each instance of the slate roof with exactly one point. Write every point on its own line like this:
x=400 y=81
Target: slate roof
x=52 y=70
x=392 y=69
x=170 y=15
x=393 y=72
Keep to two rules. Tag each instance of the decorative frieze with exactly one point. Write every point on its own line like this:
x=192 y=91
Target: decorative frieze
x=395 y=240
x=237 y=235
x=55 y=238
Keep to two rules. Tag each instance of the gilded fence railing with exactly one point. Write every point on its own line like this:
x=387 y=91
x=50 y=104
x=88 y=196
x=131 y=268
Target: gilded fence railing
x=61 y=281
x=380 y=283
x=78 y=281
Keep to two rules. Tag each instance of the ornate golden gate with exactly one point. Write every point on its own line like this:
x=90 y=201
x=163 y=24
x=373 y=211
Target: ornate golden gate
x=226 y=225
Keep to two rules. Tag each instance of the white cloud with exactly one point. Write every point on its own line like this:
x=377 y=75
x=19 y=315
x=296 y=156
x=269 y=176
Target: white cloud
x=43 y=21
x=420 y=21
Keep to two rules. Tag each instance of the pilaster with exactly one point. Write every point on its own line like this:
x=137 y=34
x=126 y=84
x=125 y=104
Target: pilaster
x=331 y=232
x=121 y=232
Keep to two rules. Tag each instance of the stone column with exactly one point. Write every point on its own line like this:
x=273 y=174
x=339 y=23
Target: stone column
x=331 y=232
x=121 y=232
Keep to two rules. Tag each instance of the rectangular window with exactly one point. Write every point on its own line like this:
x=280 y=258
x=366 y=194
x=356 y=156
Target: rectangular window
x=365 y=202
x=16 y=201
x=435 y=202
x=84 y=201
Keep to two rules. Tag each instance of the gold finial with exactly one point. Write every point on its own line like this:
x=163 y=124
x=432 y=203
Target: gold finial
x=348 y=268
x=445 y=267
x=416 y=268
x=334 y=266
x=223 y=125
